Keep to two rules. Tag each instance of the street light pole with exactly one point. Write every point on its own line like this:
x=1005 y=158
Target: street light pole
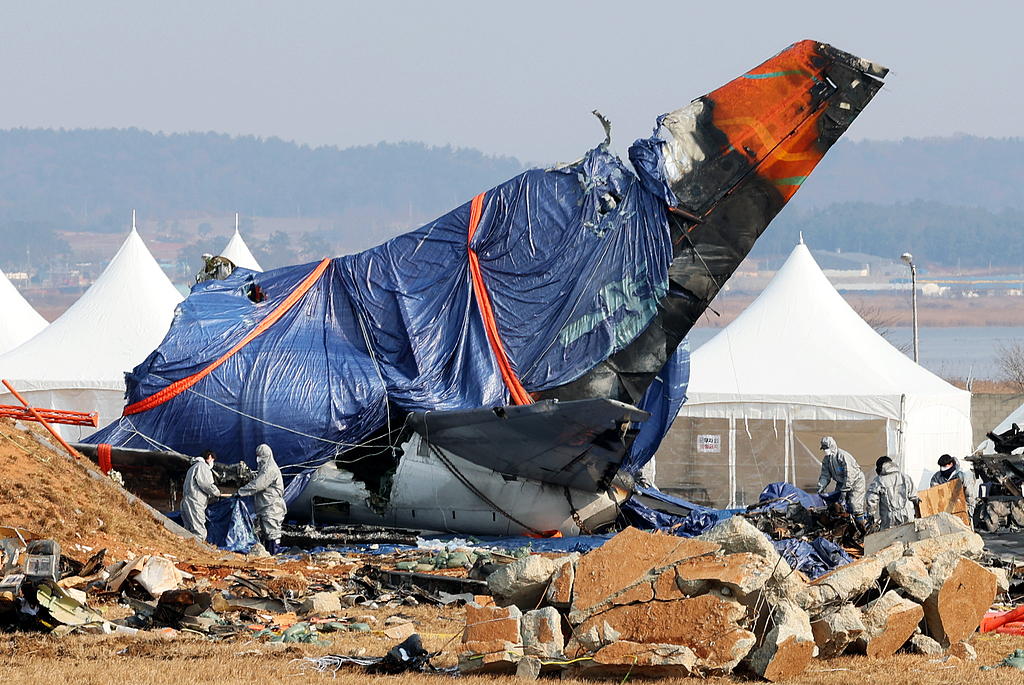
x=908 y=259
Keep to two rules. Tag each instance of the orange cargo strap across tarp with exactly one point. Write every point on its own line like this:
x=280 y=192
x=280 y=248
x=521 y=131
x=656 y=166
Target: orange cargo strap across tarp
x=178 y=387
x=516 y=389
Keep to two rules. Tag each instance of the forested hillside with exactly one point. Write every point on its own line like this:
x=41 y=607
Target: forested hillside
x=948 y=200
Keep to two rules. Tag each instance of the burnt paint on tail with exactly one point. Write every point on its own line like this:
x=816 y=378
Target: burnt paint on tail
x=753 y=143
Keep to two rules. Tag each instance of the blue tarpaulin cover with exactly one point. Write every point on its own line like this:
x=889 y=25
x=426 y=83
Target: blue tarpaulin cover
x=574 y=260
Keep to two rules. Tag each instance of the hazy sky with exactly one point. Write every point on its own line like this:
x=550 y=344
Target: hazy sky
x=514 y=78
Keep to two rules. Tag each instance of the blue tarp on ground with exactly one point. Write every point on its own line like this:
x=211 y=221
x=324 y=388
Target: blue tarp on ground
x=814 y=558
x=574 y=261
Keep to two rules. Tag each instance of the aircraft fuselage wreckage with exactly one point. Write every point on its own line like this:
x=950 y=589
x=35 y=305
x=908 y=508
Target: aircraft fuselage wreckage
x=509 y=367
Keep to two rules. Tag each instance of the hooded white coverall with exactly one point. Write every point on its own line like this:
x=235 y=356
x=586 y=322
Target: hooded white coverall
x=891 y=497
x=196 y=493
x=267 y=489
x=840 y=466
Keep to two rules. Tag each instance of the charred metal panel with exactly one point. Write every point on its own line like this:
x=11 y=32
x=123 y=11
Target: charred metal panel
x=578 y=444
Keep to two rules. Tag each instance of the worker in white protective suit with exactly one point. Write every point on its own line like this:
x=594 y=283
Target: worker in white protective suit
x=196 y=493
x=840 y=466
x=891 y=496
x=267 y=489
x=949 y=468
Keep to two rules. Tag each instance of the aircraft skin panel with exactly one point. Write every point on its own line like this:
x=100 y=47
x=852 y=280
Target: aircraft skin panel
x=578 y=444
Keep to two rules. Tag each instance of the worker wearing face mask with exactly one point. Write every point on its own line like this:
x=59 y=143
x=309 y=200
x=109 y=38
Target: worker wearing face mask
x=949 y=468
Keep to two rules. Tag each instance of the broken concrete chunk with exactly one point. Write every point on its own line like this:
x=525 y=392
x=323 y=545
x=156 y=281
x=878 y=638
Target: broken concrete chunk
x=962 y=650
x=709 y=625
x=528 y=668
x=922 y=644
x=639 y=661
x=620 y=571
x=913 y=531
x=559 y=592
x=956 y=609
x=541 y=632
x=911 y=574
x=964 y=543
x=494 y=656
x=322 y=603
x=487 y=624
x=787 y=648
x=1002 y=579
x=847 y=582
x=889 y=622
x=742 y=574
x=523 y=582
x=835 y=630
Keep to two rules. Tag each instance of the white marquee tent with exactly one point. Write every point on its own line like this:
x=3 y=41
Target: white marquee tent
x=78 y=362
x=18 y=320
x=238 y=252
x=798 y=364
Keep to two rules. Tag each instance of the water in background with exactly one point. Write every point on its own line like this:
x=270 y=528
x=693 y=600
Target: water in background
x=952 y=353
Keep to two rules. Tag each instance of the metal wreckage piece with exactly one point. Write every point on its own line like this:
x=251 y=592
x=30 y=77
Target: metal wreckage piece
x=1002 y=507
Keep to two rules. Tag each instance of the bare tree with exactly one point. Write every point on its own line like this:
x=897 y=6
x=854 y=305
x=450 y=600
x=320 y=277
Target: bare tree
x=1009 y=356
x=881 y=323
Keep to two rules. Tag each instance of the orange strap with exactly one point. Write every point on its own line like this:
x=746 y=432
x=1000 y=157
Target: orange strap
x=103 y=452
x=178 y=387
x=515 y=388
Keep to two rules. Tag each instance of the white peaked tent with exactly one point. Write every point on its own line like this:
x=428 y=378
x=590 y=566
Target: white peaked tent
x=238 y=252
x=78 y=362
x=797 y=365
x=18 y=320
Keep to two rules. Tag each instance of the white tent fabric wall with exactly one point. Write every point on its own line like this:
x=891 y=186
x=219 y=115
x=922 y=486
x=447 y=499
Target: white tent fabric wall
x=78 y=362
x=18 y=320
x=238 y=252
x=799 y=364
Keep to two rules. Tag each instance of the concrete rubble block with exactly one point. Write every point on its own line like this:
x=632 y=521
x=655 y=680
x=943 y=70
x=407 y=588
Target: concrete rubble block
x=742 y=574
x=835 y=630
x=639 y=661
x=710 y=626
x=913 y=531
x=597 y=637
x=737 y=535
x=1002 y=579
x=911 y=575
x=787 y=647
x=922 y=644
x=529 y=668
x=321 y=603
x=962 y=650
x=523 y=582
x=955 y=610
x=487 y=624
x=541 y=632
x=847 y=582
x=492 y=656
x=942 y=568
x=559 y=592
x=889 y=622
x=964 y=543
x=622 y=571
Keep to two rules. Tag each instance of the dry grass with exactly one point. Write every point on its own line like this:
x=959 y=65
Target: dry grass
x=52 y=495
x=88 y=660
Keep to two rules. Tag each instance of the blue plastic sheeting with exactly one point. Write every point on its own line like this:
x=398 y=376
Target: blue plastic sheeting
x=814 y=558
x=700 y=520
x=786 y=494
x=574 y=261
x=662 y=400
x=228 y=524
